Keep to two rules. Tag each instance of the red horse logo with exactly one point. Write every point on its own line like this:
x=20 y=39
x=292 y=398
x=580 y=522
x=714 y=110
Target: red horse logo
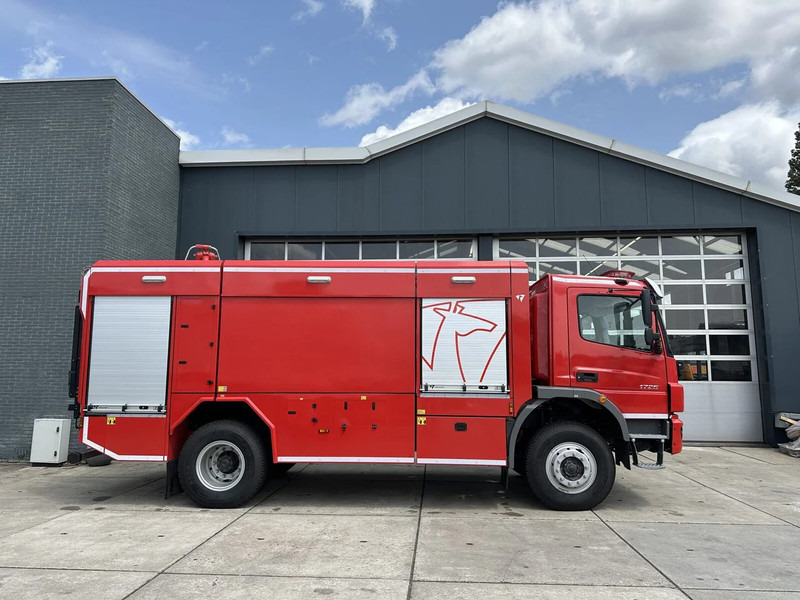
x=455 y=323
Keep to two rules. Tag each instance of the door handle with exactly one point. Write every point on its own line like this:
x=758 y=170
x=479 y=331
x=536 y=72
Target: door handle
x=587 y=377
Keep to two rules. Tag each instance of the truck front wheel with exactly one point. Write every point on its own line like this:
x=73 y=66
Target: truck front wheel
x=223 y=464
x=569 y=466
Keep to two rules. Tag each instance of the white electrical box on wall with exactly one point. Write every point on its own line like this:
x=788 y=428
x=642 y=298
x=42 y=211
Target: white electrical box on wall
x=50 y=441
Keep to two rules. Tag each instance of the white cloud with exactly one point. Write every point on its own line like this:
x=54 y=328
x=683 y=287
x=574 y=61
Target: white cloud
x=364 y=6
x=753 y=141
x=201 y=46
x=4 y=78
x=233 y=78
x=364 y=102
x=729 y=88
x=233 y=137
x=528 y=50
x=312 y=58
x=388 y=35
x=779 y=75
x=419 y=117
x=262 y=53
x=42 y=63
x=118 y=67
x=189 y=141
x=684 y=91
x=312 y=9
x=525 y=50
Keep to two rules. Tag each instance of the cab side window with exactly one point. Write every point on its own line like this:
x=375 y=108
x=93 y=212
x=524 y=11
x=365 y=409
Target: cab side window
x=612 y=321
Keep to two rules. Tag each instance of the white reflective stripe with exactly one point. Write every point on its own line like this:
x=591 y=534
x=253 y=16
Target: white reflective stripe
x=473 y=270
x=317 y=270
x=85 y=291
x=85 y=439
x=645 y=416
x=461 y=461
x=139 y=457
x=213 y=269
x=345 y=459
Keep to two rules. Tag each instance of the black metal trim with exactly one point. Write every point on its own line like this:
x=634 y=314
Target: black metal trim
x=543 y=394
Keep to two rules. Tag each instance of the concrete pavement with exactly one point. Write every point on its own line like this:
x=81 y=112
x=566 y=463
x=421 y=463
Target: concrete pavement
x=717 y=523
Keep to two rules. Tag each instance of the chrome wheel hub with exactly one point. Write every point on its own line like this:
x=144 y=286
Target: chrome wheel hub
x=571 y=468
x=220 y=465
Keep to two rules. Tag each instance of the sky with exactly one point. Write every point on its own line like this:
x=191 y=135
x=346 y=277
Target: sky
x=713 y=82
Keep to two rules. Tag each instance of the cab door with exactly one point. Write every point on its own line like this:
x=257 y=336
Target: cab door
x=608 y=352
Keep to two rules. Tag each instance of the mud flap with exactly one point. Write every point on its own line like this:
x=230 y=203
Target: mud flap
x=173 y=484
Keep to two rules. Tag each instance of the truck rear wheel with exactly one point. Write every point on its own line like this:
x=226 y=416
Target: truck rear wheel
x=570 y=466
x=223 y=464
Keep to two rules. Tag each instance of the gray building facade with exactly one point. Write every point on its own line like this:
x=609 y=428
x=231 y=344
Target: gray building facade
x=86 y=172
x=484 y=183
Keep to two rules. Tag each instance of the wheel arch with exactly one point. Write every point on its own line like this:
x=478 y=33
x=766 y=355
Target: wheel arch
x=237 y=409
x=556 y=403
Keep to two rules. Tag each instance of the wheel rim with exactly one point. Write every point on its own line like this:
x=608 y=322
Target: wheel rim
x=571 y=468
x=220 y=465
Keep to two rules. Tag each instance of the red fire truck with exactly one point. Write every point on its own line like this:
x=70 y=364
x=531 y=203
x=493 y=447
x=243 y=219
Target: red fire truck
x=232 y=371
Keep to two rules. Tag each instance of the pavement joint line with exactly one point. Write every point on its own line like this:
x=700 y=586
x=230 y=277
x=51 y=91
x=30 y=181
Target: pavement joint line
x=188 y=552
x=278 y=576
x=732 y=451
x=557 y=584
x=416 y=538
x=761 y=510
x=643 y=557
x=78 y=569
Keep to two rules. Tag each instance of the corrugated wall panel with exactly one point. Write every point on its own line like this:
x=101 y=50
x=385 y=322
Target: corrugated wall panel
x=317 y=191
x=531 y=195
x=401 y=190
x=669 y=199
x=274 y=190
x=486 y=192
x=622 y=192
x=443 y=181
x=359 y=198
x=233 y=206
x=197 y=197
x=713 y=206
x=577 y=186
x=780 y=308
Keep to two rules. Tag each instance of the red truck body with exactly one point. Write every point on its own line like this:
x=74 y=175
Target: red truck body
x=231 y=370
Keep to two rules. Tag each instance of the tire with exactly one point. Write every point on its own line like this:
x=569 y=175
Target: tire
x=569 y=466
x=223 y=464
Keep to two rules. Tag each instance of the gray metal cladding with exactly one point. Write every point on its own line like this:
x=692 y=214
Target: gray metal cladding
x=491 y=177
x=486 y=191
x=443 y=180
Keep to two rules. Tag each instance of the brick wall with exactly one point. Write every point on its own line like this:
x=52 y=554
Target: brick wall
x=86 y=172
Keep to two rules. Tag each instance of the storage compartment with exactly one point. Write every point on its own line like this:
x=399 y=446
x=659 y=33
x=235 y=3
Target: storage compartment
x=194 y=352
x=464 y=344
x=129 y=349
x=127 y=437
x=461 y=440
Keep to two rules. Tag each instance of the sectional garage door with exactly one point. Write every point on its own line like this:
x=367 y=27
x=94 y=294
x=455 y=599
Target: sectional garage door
x=707 y=308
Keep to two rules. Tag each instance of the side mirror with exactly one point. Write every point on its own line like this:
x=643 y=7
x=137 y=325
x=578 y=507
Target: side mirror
x=652 y=339
x=647 y=309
